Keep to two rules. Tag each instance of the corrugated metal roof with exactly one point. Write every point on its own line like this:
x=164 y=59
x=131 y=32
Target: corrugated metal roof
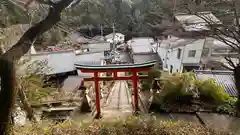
x=60 y=62
x=223 y=78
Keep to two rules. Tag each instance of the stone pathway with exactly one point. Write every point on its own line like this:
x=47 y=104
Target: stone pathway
x=118 y=104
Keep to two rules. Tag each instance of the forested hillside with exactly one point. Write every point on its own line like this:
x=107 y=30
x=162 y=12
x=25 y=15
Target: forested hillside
x=140 y=17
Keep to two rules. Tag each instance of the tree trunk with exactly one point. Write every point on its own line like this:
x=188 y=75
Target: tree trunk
x=237 y=83
x=7 y=94
x=26 y=105
x=7 y=73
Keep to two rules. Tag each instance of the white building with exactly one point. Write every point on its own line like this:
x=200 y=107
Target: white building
x=180 y=54
x=192 y=52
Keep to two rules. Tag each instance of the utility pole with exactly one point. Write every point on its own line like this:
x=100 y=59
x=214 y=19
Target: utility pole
x=113 y=36
x=174 y=6
x=101 y=31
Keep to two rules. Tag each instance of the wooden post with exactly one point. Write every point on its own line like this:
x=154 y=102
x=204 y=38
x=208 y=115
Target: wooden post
x=135 y=90
x=97 y=90
x=115 y=76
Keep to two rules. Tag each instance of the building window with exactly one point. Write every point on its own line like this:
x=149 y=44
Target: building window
x=192 y=53
x=179 y=53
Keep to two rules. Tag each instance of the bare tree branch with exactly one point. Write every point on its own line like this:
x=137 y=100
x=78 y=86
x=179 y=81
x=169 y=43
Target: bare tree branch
x=230 y=62
x=229 y=68
x=24 y=44
x=8 y=78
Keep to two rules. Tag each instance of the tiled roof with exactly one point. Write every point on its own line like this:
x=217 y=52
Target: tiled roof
x=115 y=66
x=223 y=78
x=191 y=22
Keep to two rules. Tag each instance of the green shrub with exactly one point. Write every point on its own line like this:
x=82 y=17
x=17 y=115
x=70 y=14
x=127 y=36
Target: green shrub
x=32 y=86
x=152 y=74
x=186 y=84
x=212 y=91
x=174 y=86
x=226 y=109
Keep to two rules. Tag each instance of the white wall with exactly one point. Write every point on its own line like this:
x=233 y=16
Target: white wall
x=174 y=61
x=198 y=46
x=169 y=56
x=162 y=52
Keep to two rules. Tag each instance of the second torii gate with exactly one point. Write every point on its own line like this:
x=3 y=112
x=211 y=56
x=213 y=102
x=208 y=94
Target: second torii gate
x=115 y=68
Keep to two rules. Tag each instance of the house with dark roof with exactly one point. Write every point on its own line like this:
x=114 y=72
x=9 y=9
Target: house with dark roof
x=223 y=78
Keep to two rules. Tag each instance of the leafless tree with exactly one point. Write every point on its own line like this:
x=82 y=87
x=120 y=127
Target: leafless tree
x=7 y=72
x=230 y=35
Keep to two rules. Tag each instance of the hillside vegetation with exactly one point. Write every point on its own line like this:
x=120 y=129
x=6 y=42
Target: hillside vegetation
x=131 y=126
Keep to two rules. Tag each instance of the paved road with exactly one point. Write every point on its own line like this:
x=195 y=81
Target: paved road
x=118 y=103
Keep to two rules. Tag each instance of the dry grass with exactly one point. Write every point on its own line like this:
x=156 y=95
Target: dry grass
x=131 y=126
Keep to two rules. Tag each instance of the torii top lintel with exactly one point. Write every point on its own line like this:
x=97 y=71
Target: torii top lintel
x=115 y=67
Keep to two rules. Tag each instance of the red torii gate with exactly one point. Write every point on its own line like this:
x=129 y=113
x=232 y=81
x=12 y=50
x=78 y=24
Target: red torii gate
x=115 y=68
